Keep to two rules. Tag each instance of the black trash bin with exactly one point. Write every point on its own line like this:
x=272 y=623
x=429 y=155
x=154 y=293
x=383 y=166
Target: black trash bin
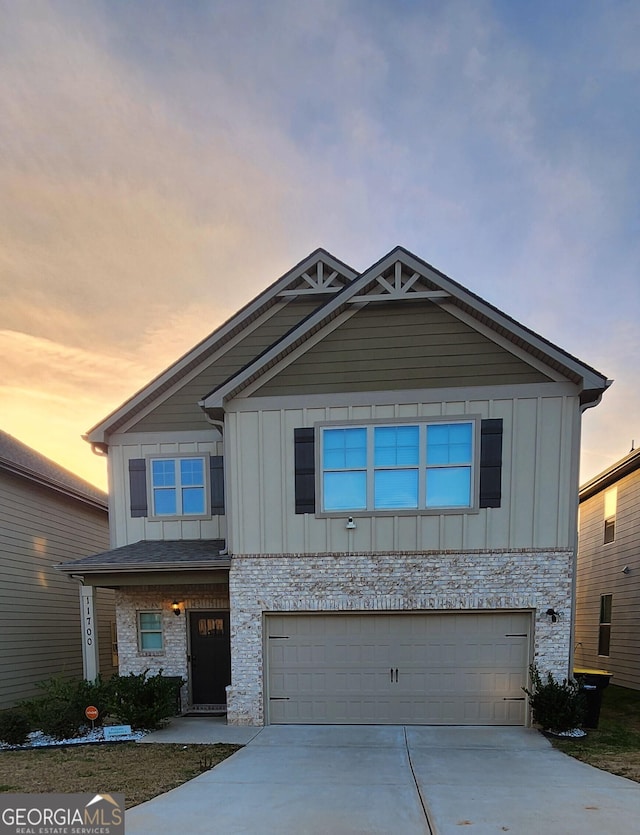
x=593 y=682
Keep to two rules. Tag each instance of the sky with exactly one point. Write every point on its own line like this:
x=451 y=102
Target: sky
x=163 y=162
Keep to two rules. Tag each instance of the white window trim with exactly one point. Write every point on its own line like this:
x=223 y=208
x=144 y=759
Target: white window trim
x=172 y=456
x=140 y=631
x=474 y=507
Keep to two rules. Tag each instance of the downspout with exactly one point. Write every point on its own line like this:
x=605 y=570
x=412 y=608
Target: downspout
x=219 y=424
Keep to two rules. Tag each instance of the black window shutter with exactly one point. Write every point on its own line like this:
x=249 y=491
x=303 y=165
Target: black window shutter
x=138 y=486
x=491 y=462
x=305 y=470
x=216 y=468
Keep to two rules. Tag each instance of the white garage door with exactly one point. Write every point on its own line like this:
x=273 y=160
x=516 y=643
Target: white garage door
x=460 y=669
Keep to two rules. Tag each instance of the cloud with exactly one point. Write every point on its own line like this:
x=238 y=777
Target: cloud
x=114 y=214
x=161 y=163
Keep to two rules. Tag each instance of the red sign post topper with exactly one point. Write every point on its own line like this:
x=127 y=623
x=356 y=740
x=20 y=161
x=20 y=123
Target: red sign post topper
x=92 y=713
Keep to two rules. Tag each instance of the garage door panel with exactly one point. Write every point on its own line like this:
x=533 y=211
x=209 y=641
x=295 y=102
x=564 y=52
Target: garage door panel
x=394 y=668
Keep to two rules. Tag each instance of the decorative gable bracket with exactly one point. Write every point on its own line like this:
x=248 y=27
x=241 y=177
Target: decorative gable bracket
x=399 y=284
x=321 y=280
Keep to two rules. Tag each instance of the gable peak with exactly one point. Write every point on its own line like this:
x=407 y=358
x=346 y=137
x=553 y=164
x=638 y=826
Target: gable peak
x=323 y=275
x=396 y=280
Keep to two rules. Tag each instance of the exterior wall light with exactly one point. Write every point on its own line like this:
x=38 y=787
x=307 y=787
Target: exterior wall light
x=551 y=613
x=176 y=608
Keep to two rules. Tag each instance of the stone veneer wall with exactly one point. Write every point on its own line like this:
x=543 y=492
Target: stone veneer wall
x=173 y=659
x=517 y=579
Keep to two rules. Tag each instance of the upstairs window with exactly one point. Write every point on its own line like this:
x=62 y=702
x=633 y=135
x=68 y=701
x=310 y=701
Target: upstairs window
x=610 y=507
x=178 y=486
x=398 y=467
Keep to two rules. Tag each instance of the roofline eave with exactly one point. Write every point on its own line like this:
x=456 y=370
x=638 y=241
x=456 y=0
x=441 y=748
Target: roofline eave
x=99 y=433
x=591 y=380
x=138 y=568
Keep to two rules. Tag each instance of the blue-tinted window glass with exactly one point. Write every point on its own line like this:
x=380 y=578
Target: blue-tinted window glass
x=394 y=489
x=193 y=500
x=449 y=487
x=449 y=443
x=344 y=448
x=163 y=473
x=345 y=491
x=396 y=446
x=150 y=620
x=192 y=472
x=150 y=630
x=165 y=502
x=151 y=640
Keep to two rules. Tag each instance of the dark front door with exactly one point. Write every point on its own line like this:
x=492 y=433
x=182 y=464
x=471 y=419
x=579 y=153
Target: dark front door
x=210 y=657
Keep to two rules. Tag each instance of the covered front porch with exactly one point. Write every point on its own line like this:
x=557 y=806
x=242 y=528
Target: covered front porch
x=172 y=614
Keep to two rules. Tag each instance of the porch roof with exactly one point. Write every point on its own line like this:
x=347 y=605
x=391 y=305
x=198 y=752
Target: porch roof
x=152 y=555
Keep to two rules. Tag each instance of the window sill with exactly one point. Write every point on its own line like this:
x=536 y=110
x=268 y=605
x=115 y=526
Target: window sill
x=363 y=514
x=168 y=518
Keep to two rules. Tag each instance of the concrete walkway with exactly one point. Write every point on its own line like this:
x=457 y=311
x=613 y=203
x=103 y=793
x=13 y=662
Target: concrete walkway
x=334 y=780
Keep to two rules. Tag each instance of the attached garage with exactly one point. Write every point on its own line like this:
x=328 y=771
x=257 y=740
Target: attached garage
x=401 y=668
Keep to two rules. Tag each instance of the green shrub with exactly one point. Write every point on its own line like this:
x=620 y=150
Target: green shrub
x=143 y=701
x=557 y=706
x=59 y=712
x=14 y=727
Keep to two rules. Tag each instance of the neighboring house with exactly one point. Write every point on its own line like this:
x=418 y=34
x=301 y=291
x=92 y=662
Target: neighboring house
x=47 y=514
x=608 y=572
x=360 y=496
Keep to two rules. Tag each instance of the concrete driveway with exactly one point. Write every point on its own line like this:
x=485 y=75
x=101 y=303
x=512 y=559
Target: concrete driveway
x=330 y=780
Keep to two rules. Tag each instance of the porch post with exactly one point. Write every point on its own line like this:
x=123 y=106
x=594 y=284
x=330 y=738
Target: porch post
x=90 y=659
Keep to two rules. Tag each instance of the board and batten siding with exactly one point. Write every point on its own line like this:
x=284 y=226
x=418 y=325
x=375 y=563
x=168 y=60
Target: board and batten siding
x=400 y=346
x=180 y=410
x=600 y=572
x=539 y=481
x=126 y=529
x=40 y=629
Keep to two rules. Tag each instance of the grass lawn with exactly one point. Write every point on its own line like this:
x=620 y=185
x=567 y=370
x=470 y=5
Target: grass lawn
x=141 y=771
x=615 y=745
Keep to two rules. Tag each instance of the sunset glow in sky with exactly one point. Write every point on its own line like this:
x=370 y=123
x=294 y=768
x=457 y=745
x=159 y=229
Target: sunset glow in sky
x=163 y=162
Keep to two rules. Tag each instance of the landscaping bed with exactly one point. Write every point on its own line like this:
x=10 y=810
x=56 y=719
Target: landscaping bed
x=615 y=745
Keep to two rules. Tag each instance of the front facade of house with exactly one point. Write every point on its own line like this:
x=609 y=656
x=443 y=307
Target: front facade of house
x=608 y=572
x=47 y=514
x=360 y=496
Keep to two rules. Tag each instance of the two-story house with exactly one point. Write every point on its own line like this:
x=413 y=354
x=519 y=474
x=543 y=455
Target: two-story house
x=608 y=572
x=48 y=514
x=354 y=502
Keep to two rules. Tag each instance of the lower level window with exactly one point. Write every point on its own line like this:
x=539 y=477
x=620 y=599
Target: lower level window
x=398 y=467
x=150 y=637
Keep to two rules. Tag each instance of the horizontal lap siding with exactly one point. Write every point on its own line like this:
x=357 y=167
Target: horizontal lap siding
x=400 y=346
x=180 y=411
x=537 y=508
x=39 y=606
x=600 y=572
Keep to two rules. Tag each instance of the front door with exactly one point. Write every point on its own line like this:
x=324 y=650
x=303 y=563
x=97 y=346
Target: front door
x=210 y=657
